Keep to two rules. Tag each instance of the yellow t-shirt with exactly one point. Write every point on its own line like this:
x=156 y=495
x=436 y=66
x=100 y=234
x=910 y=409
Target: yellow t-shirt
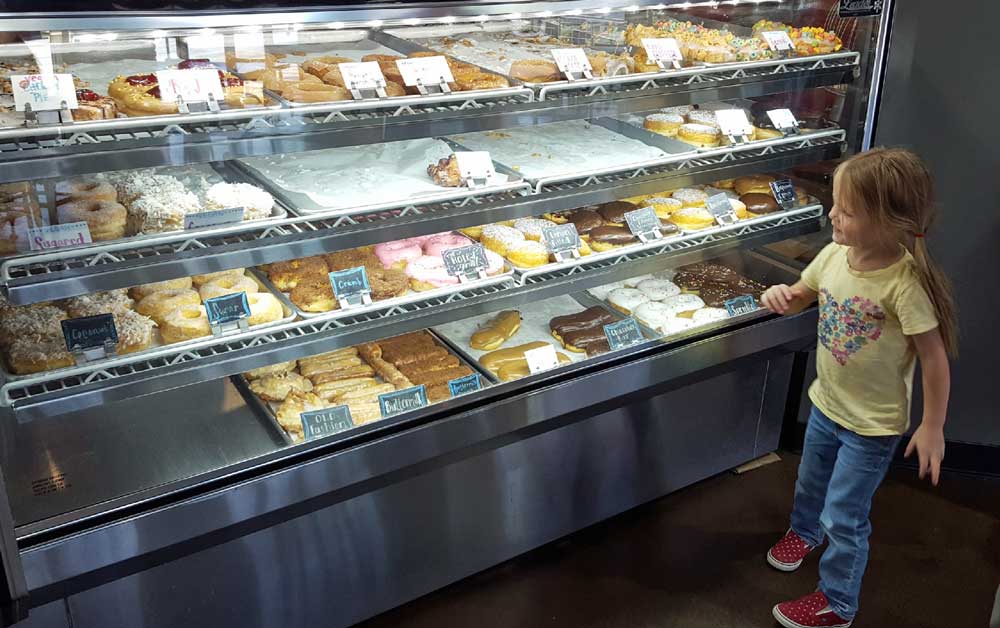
x=864 y=359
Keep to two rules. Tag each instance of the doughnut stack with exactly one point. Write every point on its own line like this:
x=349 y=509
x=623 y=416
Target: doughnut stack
x=19 y=211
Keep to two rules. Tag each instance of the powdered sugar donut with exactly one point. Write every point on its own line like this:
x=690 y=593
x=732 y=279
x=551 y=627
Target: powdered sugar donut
x=398 y=253
x=494 y=263
x=690 y=197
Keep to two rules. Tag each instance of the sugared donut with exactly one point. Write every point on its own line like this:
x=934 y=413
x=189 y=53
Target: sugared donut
x=105 y=219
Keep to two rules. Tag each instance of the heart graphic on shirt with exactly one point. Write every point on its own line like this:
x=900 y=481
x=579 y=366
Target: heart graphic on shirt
x=846 y=327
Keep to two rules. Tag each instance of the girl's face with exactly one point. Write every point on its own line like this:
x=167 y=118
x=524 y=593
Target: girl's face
x=852 y=226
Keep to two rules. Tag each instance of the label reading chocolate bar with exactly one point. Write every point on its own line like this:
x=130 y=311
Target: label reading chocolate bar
x=720 y=207
x=89 y=332
x=741 y=305
x=465 y=260
x=541 y=359
x=399 y=401
x=643 y=221
x=350 y=282
x=561 y=238
x=463 y=385
x=784 y=193
x=227 y=308
x=317 y=423
x=213 y=218
x=624 y=333
x=58 y=236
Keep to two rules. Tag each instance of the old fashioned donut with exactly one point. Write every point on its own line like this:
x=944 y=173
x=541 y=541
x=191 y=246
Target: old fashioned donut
x=84 y=188
x=264 y=308
x=159 y=304
x=186 y=322
x=105 y=219
x=227 y=284
x=140 y=292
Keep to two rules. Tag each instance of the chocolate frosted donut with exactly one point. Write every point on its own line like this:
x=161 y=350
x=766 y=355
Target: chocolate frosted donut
x=590 y=318
x=614 y=212
x=585 y=220
x=716 y=294
x=610 y=234
x=758 y=203
x=695 y=276
x=586 y=338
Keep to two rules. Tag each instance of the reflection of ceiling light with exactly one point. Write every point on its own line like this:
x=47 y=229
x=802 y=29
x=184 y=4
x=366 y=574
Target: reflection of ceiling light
x=604 y=10
x=89 y=38
x=632 y=7
x=574 y=12
x=413 y=21
x=545 y=14
x=448 y=19
x=335 y=25
x=375 y=23
x=250 y=28
x=513 y=16
x=157 y=33
x=483 y=18
x=207 y=32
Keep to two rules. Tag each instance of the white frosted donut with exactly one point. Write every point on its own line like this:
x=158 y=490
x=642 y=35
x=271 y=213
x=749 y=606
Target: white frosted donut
x=632 y=282
x=256 y=203
x=658 y=289
x=675 y=325
x=626 y=299
x=683 y=303
x=601 y=292
x=652 y=314
x=707 y=315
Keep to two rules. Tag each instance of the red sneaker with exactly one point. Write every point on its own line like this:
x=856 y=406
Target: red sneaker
x=787 y=554
x=811 y=611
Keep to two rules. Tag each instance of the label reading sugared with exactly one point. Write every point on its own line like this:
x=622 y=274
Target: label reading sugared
x=399 y=401
x=643 y=221
x=89 y=332
x=720 y=207
x=744 y=304
x=227 y=308
x=572 y=61
x=734 y=122
x=662 y=49
x=425 y=71
x=194 y=85
x=326 y=422
x=561 y=238
x=43 y=92
x=59 y=236
x=213 y=218
x=859 y=8
x=365 y=75
x=784 y=193
x=465 y=260
x=475 y=165
x=464 y=385
x=777 y=40
x=624 y=333
x=350 y=282
x=783 y=119
x=541 y=359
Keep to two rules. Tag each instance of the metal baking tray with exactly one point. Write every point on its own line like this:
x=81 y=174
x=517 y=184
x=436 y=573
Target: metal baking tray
x=156 y=347
x=261 y=408
x=413 y=296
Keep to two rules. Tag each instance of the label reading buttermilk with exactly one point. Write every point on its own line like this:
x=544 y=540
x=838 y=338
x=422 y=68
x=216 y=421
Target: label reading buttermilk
x=350 y=282
x=213 y=218
x=400 y=401
x=227 y=308
x=642 y=221
x=89 y=332
x=465 y=260
x=860 y=8
x=624 y=333
x=784 y=193
x=561 y=238
x=326 y=422
x=741 y=305
x=463 y=385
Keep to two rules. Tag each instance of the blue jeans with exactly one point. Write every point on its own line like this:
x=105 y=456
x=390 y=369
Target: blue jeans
x=838 y=475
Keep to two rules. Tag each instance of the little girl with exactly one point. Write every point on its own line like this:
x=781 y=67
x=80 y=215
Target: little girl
x=882 y=303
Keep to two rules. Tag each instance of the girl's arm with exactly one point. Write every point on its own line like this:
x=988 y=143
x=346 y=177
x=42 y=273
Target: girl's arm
x=928 y=440
x=782 y=299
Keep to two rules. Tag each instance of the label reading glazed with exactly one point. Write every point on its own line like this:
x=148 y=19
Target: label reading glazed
x=720 y=207
x=624 y=333
x=213 y=218
x=365 y=75
x=43 y=92
x=561 y=238
x=784 y=193
x=783 y=119
x=733 y=122
x=89 y=332
x=663 y=49
x=399 y=401
x=475 y=165
x=777 y=40
x=571 y=60
x=860 y=8
x=463 y=385
x=195 y=85
x=465 y=260
x=741 y=305
x=59 y=236
x=318 y=423
x=227 y=308
x=541 y=359
x=642 y=221
x=425 y=71
x=350 y=282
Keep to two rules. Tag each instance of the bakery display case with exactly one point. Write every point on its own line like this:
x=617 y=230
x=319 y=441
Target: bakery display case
x=276 y=285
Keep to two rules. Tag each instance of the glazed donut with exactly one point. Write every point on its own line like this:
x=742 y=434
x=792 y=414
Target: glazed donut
x=315 y=92
x=227 y=284
x=85 y=189
x=397 y=254
x=140 y=292
x=496 y=331
x=692 y=218
x=429 y=272
x=186 y=322
x=105 y=219
x=313 y=293
x=758 y=183
x=200 y=280
x=159 y=304
x=264 y=308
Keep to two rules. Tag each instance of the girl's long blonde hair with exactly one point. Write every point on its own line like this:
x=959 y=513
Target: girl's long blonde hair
x=896 y=189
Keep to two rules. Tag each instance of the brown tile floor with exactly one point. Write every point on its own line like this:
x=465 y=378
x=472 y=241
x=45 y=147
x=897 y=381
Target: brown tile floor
x=696 y=559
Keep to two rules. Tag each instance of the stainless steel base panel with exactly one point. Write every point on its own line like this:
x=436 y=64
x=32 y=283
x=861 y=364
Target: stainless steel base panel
x=351 y=560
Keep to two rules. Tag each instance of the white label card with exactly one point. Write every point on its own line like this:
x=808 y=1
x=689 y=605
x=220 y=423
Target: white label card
x=541 y=359
x=425 y=70
x=59 y=236
x=734 y=122
x=475 y=164
x=783 y=118
x=44 y=92
x=571 y=60
x=662 y=49
x=777 y=40
x=362 y=75
x=190 y=85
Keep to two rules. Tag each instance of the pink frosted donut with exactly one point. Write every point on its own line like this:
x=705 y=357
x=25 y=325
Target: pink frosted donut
x=444 y=241
x=396 y=254
x=429 y=272
x=494 y=263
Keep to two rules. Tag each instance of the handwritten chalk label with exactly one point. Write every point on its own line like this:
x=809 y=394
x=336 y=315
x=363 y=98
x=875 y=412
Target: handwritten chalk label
x=89 y=332
x=464 y=385
x=541 y=359
x=59 y=236
x=194 y=85
x=561 y=238
x=734 y=122
x=425 y=71
x=740 y=305
x=784 y=192
x=643 y=221
x=399 y=401
x=43 y=92
x=365 y=75
x=326 y=422
x=350 y=282
x=213 y=218
x=783 y=119
x=475 y=165
x=720 y=207
x=777 y=40
x=465 y=260
x=662 y=49
x=572 y=61
x=624 y=333
x=227 y=308
x=859 y=8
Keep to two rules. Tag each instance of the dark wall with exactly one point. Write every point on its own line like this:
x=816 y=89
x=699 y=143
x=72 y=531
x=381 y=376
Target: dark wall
x=941 y=98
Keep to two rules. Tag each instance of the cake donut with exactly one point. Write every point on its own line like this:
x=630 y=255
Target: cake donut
x=700 y=135
x=264 y=308
x=429 y=272
x=625 y=300
x=140 y=292
x=85 y=189
x=397 y=254
x=159 y=304
x=105 y=219
x=435 y=244
x=185 y=322
x=227 y=284
x=388 y=283
x=200 y=280
x=313 y=293
x=256 y=203
x=288 y=274
x=499 y=238
x=664 y=123
x=658 y=289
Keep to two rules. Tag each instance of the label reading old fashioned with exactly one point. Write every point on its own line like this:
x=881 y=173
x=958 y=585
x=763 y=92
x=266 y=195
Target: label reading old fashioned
x=318 y=423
